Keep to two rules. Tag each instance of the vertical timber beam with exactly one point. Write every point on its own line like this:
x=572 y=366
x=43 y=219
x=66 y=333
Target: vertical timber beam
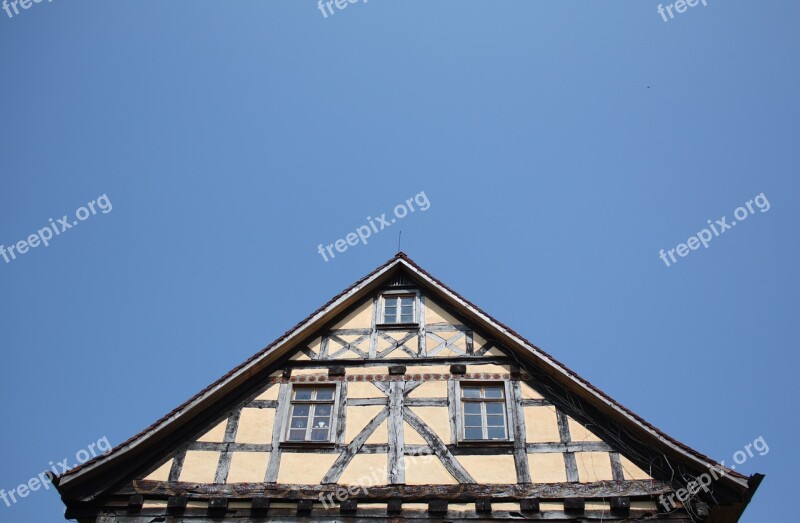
x=569 y=457
x=396 y=442
x=224 y=464
x=373 y=333
x=423 y=343
x=518 y=419
x=271 y=475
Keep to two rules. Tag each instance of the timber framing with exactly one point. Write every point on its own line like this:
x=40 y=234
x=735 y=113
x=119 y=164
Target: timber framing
x=108 y=479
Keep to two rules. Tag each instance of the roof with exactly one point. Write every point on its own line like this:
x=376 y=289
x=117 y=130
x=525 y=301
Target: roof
x=73 y=480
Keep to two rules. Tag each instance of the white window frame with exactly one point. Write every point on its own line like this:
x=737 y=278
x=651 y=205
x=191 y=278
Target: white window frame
x=286 y=414
x=395 y=295
x=460 y=438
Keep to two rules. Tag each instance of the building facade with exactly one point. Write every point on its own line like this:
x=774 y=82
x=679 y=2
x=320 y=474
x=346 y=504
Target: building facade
x=401 y=400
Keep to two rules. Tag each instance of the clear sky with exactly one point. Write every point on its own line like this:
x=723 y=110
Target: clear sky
x=561 y=145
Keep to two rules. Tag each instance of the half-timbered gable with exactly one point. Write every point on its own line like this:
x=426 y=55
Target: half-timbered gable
x=399 y=399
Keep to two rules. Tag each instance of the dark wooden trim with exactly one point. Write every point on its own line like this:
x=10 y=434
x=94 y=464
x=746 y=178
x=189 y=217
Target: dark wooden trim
x=177 y=464
x=262 y=404
x=231 y=447
x=536 y=403
x=341 y=412
x=408 y=493
x=570 y=464
x=224 y=464
x=452 y=411
x=616 y=466
x=573 y=446
x=360 y=402
x=324 y=364
x=426 y=402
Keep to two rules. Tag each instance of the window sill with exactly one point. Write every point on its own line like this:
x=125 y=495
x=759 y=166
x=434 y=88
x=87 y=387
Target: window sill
x=485 y=443
x=307 y=444
x=397 y=326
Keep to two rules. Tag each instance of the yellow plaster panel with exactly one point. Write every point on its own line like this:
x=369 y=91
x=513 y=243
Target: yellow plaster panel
x=308 y=372
x=547 y=468
x=428 y=369
x=197 y=504
x=381 y=434
x=435 y=314
x=430 y=389
x=490 y=469
x=299 y=356
x=494 y=351
x=215 y=435
x=255 y=426
x=161 y=473
x=541 y=425
x=593 y=466
x=358 y=418
x=505 y=506
x=632 y=471
x=304 y=469
x=598 y=505
x=248 y=467
x=528 y=392
x=200 y=466
x=366 y=470
x=436 y=418
x=363 y=389
x=490 y=369
x=154 y=504
x=551 y=506
x=412 y=437
x=271 y=393
x=578 y=432
x=366 y=370
x=360 y=318
x=643 y=505
x=426 y=470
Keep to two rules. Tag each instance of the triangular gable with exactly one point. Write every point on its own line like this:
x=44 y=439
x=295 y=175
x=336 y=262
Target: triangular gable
x=456 y=328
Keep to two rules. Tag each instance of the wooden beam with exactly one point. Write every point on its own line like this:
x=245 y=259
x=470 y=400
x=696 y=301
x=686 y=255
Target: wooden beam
x=271 y=475
x=344 y=459
x=439 y=449
x=224 y=464
x=396 y=467
x=408 y=493
x=570 y=464
x=518 y=421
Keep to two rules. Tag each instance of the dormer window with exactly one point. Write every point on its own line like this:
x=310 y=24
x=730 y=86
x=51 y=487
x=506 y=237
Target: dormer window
x=399 y=309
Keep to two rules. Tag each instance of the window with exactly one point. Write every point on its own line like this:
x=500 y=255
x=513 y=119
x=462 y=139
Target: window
x=399 y=308
x=311 y=414
x=483 y=411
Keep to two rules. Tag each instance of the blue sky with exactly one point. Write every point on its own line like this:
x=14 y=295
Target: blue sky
x=561 y=146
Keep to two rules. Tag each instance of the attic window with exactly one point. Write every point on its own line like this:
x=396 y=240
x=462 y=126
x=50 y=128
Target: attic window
x=399 y=309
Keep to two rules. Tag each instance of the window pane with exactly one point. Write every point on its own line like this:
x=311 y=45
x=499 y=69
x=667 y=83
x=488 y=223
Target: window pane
x=300 y=411
x=406 y=318
x=325 y=394
x=297 y=435
x=322 y=410
x=303 y=393
x=299 y=423
x=493 y=392
x=497 y=433
x=319 y=435
x=321 y=423
x=495 y=421
x=472 y=421
x=471 y=392
x=470 y=433
x=472 y=407
x=494 y=408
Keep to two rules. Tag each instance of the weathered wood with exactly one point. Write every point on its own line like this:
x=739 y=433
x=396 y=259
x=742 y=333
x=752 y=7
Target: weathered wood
x=262 y=404
x=224 y=464
x=340 y=411
x=535 y=403
x=437 y=507
x=135 y=503
x=271 y=475
x=452 y=410
x=323 y=365
x=518 y=421
x=408 y=493
x=423 y=329
x=457 y=369
x=177 y=464
x=574 y=505
x=359 y=402
x=616 y=466
x=373 y=334
x=439 y=449
x=396 y=468
x=176 y=504
x=344 y=459
x=529 y=505
x=573 y=446
x=426 y=402
x=570 y=464
x=397 y=370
